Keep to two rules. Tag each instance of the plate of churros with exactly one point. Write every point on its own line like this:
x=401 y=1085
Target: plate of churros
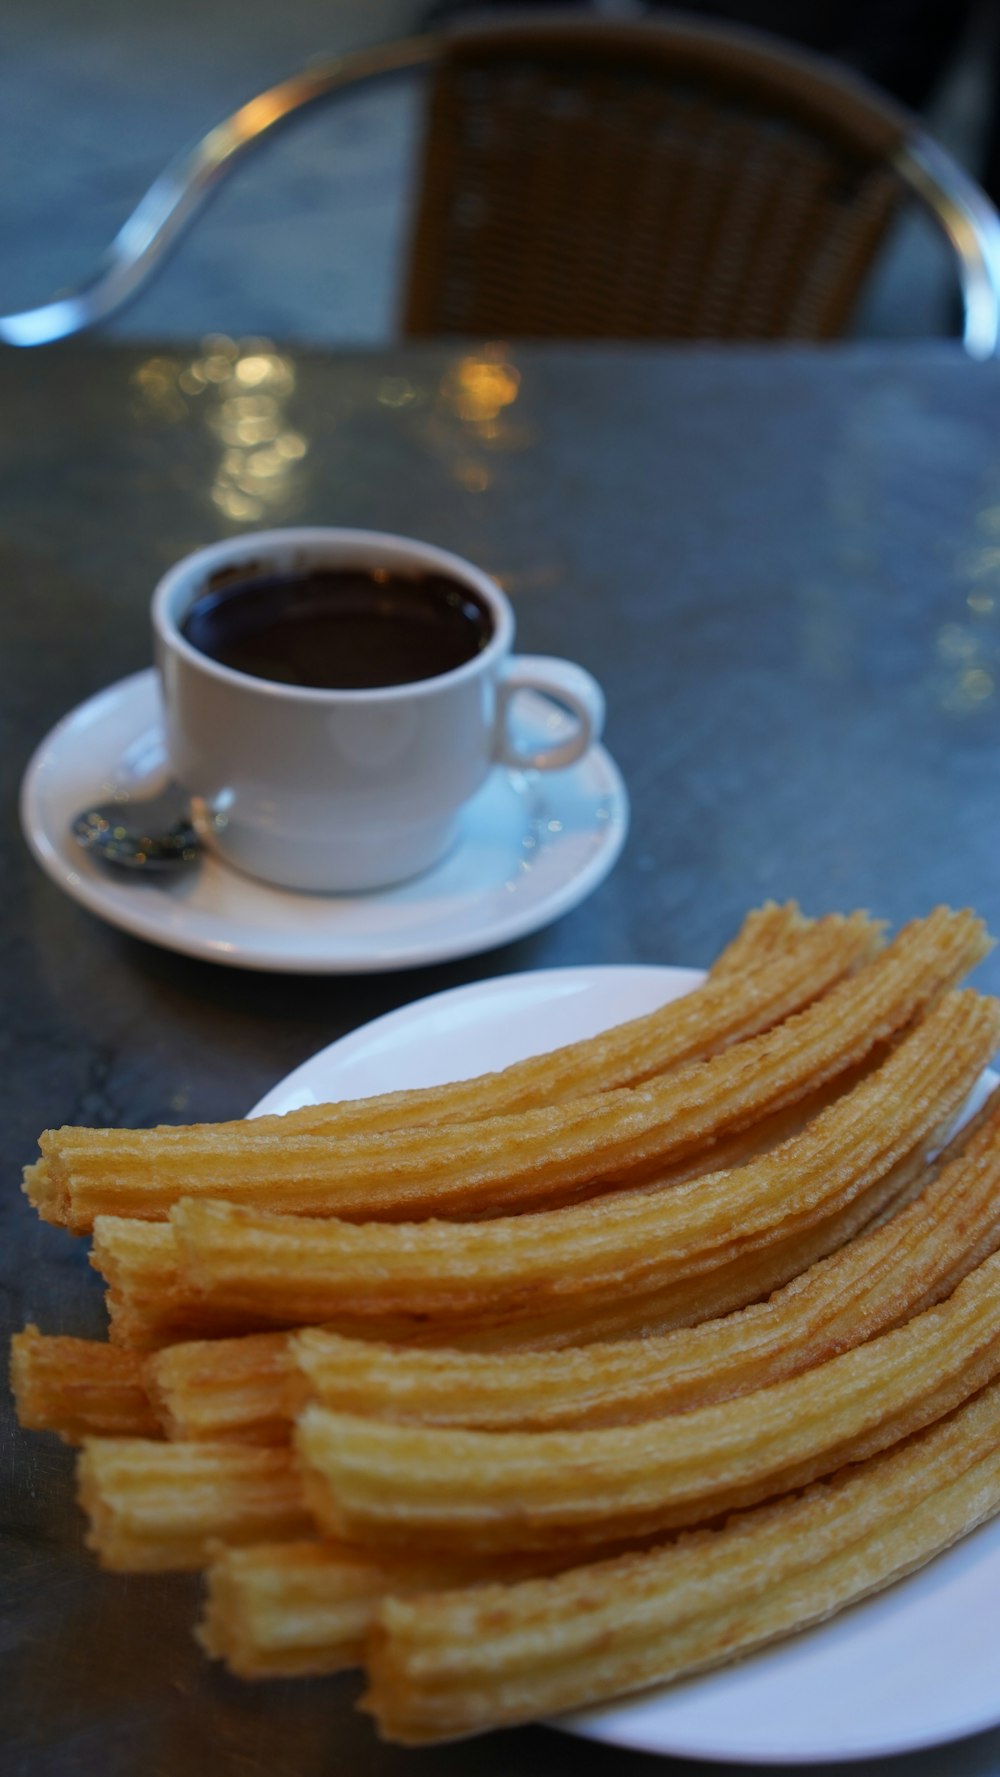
x=647 y=1382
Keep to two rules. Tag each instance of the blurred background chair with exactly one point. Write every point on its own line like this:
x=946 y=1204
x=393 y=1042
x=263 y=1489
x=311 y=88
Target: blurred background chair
x=585 y=177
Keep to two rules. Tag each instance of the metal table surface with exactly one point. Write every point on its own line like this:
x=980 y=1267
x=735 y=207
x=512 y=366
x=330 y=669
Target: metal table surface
x=785 y=568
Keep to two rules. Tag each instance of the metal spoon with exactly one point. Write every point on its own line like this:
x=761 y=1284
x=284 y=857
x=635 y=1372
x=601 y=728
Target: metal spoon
x=151 y=834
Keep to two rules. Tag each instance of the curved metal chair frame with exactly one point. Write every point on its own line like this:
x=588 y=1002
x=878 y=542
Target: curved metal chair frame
x=886 y=154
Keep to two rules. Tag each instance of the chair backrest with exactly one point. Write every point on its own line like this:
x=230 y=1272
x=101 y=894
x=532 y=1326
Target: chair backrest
x=591 y=178
x=638 y=179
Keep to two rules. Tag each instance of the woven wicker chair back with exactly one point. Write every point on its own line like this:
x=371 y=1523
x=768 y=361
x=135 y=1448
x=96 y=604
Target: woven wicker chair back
x=645 y=181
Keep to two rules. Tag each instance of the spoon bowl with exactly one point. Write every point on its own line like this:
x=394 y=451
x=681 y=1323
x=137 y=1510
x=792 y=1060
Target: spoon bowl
x=152 y=835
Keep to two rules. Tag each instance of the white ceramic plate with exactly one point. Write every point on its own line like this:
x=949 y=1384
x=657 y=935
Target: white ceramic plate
x=915 y=1666
x=532 y=846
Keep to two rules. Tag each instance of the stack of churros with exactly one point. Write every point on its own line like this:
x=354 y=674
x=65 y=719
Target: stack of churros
x=542 y=1387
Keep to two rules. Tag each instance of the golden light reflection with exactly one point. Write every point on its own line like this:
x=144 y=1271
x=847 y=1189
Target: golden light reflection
x=479 y=387
x=291 y=445
x=254 y=370
x=262 y=464
x=156 y=383
x=216 y=368
x=248 y=419
x=155 y=373
x=256 y=115
x=470 y=413
x=248 y=384
x=242 y=388
x=236 y=504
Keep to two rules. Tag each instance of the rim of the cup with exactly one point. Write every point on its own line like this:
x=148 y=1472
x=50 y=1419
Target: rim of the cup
x=192 y=570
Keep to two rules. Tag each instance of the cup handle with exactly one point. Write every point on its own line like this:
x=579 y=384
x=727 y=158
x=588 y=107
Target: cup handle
x=566 y=684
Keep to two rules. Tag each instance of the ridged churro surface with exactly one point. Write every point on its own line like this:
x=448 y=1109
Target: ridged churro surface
x=549 y=1155
x=252 y=1387
x=155 y=1507
x=279 y=1609
x=79 y=1387
x=874 y=1282
x=645 y=1245
x=777 y=964
x=441 y=1667
x=370 y=1480
x=466 y=1384
x=225 y=1388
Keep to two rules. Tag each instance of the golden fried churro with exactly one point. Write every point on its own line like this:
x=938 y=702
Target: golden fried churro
x=297 y=1608
x=370 y=1480
x=42 y=1185
x=249 y=1388
x=663 y=1253
x=681 y=1030
x=78 y=1387
x=276 y=1610
x=777 y=965
x=472 y=1407
x=873 y=1283
x=152 y=1304
x=226 y=1388
x=445 y=1666
x=155 y=1507
x=147 y=1301
x=548 y=1156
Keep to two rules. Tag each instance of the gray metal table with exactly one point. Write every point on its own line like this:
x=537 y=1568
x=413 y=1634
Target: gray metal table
x=784 y=567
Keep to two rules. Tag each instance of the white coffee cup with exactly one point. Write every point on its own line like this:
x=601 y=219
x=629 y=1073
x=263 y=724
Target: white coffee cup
x=346 y=789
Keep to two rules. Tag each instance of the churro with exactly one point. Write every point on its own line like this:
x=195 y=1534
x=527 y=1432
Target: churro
x=424 y=1378
x=441 y=1667
x=284 y=1609
x=245 y=1389
x=249 y=1388
x=158 y=1507
x=280 y=1610
x=669 y=1254
x=78 y=1387
x=543 y=1156
x=147 y=1303
x=778 y=963
x=370 y=1480
x=875 y=1282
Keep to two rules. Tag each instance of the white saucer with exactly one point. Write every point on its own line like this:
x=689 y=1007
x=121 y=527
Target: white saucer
x=532 y=846
x=916 y=1665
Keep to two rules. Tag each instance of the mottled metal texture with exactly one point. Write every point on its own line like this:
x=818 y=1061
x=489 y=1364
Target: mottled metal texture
x=784 y=566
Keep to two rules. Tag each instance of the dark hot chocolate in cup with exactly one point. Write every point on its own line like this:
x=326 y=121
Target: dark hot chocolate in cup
x=334 y=698
x=340 y=628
